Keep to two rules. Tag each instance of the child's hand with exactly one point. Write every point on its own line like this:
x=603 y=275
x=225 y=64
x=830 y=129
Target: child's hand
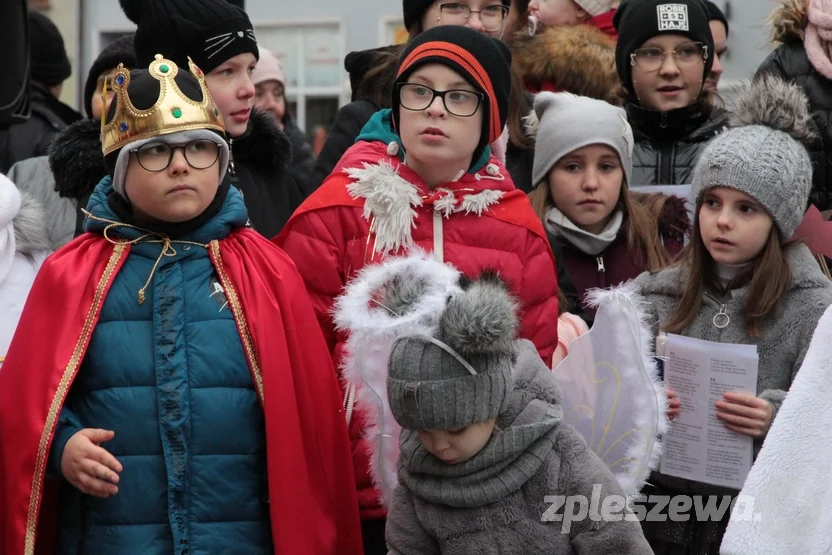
x=674 y=404
x=744 y=414
x=87 y=466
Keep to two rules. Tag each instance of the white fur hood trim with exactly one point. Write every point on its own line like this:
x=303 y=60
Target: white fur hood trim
x=373 y=329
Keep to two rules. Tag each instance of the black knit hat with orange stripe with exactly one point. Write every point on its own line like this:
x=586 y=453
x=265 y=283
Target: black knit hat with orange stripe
x=482 y=61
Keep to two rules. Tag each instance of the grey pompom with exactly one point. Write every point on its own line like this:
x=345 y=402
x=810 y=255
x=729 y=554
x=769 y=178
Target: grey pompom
x=769 y=100
x=482 y=319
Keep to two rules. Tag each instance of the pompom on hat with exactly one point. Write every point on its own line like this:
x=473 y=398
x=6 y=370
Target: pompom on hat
x=763 y=154
x=462 y=374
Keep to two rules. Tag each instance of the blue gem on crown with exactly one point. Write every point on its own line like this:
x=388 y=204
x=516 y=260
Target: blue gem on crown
x=120 y=80
x=123 y=127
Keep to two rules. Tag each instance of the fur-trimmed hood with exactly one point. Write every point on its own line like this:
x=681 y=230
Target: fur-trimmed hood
x=573 y=58
x=264 y=145
x=76 y=160
x=788 y=21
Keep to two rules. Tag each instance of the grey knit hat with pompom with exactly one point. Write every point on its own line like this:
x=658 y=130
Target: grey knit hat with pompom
x=430 y=382
x=763 y=153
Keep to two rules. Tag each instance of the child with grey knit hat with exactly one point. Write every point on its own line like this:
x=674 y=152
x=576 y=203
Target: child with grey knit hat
x=743 y=279
x=484 y=445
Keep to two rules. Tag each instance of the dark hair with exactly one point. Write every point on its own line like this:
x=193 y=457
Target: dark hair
x=519 y=106
x=377 y=84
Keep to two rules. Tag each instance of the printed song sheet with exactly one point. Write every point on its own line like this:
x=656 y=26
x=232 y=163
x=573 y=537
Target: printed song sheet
x=697 y=445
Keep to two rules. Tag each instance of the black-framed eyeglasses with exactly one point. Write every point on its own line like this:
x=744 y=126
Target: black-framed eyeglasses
x=200 y=154
x=492 y=17
x=652 y=58
x=459 y=102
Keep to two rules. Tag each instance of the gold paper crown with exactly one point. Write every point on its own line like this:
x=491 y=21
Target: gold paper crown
x=172 y=112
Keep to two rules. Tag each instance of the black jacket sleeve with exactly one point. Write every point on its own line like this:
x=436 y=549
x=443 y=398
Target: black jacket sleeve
x=303 y=161
x=348 y=124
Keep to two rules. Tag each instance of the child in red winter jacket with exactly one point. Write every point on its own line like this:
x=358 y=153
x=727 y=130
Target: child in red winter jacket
x=422 y=174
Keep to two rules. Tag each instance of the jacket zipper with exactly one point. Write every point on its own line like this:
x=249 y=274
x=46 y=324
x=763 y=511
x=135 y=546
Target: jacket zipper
x=721 y=319
x=666 y=164
x=600 y=260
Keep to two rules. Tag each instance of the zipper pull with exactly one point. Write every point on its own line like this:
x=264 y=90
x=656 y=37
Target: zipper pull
x=663 y=122
x=600 y=260
x=721 y=320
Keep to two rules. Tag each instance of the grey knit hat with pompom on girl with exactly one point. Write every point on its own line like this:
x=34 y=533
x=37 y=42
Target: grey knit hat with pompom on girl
x=763 y=153
x=462 y=376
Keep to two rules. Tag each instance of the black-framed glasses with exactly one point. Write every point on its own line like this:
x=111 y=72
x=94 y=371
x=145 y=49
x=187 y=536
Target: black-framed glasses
x=459 y=102
x=652 y=58
x=492 y=17
x=200 y=154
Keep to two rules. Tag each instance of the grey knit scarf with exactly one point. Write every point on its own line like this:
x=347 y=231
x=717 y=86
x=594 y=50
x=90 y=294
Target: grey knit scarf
x=510 y=458
x=560 y=226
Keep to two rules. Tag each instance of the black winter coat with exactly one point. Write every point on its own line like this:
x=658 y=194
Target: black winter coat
x=790 y=62
x=32 y=138
x=668 y=144
x=303 y=160
x=260 y=170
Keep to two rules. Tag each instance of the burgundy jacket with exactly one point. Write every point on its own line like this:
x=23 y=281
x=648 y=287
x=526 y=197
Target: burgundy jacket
x=618 y=263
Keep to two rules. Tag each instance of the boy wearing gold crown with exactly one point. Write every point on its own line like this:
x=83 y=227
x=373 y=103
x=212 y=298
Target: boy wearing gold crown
x=185 y=401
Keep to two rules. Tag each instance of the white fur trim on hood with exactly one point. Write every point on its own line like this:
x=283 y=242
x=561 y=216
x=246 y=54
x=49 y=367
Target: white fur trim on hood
x=373 y=326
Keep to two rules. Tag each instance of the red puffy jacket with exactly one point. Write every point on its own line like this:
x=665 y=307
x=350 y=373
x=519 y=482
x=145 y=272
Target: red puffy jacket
x=330 y=240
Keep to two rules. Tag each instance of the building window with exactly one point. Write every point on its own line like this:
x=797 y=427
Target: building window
x=392 y=31
x=312 y=56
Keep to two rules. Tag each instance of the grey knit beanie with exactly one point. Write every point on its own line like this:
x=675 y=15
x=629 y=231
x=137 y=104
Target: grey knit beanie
x=564 y=122
x=463 y=375
x=763 y=154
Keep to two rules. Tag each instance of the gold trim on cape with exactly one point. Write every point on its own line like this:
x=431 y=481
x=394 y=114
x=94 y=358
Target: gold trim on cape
x=239 y=317
x=60 y=395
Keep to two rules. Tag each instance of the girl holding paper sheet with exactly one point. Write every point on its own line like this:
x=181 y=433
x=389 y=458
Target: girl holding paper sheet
x=742 y=280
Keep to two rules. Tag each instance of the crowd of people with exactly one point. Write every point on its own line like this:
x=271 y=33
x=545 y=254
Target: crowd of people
x=176 y=375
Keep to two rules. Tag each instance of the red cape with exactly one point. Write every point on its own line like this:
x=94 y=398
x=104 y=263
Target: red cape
x=314 y=509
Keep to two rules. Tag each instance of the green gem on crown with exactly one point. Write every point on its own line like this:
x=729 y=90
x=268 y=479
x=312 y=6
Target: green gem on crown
x=164 y=68
x=177 y=113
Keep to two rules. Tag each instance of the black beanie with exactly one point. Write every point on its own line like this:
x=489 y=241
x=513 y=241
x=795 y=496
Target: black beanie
x=144 y=90
x=484 y=62
x=209 y=31
x=50 y=64
x=715 y=14
x=637 y=21
x=120 y=51
x=413 y=10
